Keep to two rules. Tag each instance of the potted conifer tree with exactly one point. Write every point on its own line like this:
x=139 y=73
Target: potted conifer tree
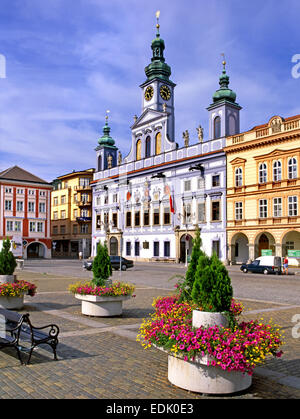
x=7 y=263
x=100 y=297
x=12 y=291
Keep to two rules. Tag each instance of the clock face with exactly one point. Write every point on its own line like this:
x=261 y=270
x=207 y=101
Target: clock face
x=149 y=93
x=165 y=92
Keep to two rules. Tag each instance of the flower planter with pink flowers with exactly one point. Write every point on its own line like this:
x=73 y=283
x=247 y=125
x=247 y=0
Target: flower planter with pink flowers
x=209 y=350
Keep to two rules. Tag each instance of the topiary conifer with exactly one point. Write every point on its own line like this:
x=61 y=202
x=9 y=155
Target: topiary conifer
x=102 y=268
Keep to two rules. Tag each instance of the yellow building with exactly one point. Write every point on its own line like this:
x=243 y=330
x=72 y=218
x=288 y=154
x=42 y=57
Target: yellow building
x=71 y=214
x=263 y=190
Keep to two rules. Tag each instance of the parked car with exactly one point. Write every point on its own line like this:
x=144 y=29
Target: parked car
x=115 y=263
x=124 y=263
x=264 y=264
x=88 y=264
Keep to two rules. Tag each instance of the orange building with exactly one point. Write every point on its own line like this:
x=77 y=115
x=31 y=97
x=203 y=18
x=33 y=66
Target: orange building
x=263 y=190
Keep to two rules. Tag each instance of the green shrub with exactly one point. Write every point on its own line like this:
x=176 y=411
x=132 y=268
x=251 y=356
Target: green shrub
x=102 y=268
x=7 y=259
x=185 y=287
x=212 y=290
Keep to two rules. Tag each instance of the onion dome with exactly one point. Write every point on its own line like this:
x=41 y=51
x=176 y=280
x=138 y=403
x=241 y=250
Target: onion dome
x=158 y=68
x=224 y=93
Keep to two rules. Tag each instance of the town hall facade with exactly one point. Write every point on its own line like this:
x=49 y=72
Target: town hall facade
x=148 y=205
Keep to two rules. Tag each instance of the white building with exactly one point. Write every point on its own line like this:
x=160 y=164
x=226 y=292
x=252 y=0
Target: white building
x=148 y=205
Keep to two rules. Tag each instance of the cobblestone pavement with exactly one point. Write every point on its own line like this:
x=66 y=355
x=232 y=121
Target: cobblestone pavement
x=99 y=358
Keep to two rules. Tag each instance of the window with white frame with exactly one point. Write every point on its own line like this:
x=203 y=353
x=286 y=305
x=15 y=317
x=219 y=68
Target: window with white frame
x=293 y=206
x=187 y=185
x=187 y=213
x=31 y=206
x=292 y=168
x=277 y=207
x=17 y=226
x=40 y=227
x=277 y=170
x=20 y=206
x=31 y=192
x=42 y=207
x=8 y=205
x=20 y=191
x=9 y=226
x=238 y=210
x=262 y=173
x=32 y=227
x=201 y=212
x=84 y=229
x=238 y=176
x=263 y=208
x=13 y=225
x=8 y=190
x=201 y=182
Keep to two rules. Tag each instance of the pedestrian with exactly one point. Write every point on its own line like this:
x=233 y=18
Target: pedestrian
x=286 y=266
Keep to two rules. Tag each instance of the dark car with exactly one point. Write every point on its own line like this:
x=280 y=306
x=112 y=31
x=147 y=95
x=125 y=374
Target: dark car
x=115 y=263
x=259 y=266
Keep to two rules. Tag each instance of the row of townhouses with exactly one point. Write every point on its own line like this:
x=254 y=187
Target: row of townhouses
x=242 y=190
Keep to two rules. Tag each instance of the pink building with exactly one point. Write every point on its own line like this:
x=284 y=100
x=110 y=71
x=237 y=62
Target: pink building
x=25 y=212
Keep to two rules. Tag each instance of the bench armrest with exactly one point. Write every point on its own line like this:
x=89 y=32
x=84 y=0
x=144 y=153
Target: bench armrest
x=53 y=329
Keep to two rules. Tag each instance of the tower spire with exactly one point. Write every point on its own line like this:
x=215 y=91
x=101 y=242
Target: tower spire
x=106 y=138
x=158 y=68
x=224 y=92
x=157 y=14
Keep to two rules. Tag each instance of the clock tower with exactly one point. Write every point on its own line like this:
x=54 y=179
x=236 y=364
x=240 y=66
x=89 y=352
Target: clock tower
x=158 y=89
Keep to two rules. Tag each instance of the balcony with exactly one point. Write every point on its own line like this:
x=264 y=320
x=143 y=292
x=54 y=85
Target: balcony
x=84 y=203
x=82 y=188
x=83 y=219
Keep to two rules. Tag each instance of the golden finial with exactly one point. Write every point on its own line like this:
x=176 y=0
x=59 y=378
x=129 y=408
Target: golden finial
x=157 y=14
x=224 y=62
x=106 y=116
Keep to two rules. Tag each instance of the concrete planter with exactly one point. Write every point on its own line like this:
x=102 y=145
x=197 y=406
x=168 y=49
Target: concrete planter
x=7 y=279
x=208 y=319
x=92 y=305
x=196 y=376
x=12 y=303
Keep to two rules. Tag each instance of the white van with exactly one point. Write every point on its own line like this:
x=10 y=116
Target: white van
x=264 y=264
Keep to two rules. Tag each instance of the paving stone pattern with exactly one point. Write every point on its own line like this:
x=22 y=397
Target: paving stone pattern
x=99 y=358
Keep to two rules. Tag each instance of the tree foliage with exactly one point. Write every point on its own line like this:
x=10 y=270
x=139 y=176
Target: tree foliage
x=212 y=290
x=7 y=259
x=102 y=268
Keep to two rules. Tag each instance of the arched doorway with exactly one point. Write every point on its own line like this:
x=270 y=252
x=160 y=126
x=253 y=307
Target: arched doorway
x=240 y=248
x=291 y=243
x=113 y=246
x=35 y=250
x=186 y=246
x=264 y=241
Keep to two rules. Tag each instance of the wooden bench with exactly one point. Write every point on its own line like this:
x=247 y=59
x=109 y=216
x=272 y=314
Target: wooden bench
x=15 y=328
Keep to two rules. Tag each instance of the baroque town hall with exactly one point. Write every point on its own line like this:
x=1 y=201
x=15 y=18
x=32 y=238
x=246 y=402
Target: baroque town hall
x=149 y=204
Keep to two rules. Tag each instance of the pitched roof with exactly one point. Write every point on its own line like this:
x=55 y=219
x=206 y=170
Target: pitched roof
x=17 y=173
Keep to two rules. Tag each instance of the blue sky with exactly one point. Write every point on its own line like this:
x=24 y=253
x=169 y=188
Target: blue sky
x=68 y=61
